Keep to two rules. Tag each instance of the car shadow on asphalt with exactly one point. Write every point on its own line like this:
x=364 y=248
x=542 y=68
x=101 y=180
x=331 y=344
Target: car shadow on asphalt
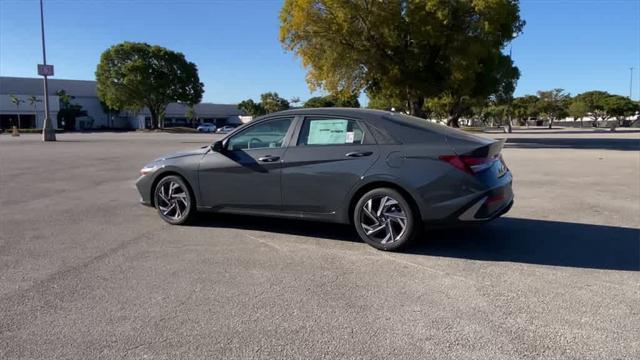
x=539 y=242
x=506 y=239
x=593 y=144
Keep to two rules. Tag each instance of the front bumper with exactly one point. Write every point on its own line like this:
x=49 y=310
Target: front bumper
x=143 y=184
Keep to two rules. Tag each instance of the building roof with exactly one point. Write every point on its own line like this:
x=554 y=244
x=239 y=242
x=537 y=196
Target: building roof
x=87 y=88
x=34 y=86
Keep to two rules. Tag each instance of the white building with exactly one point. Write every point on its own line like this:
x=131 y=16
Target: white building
x=29 y=91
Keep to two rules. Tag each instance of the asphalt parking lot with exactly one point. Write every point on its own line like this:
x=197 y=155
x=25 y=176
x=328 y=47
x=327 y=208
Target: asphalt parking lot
x=88 y=273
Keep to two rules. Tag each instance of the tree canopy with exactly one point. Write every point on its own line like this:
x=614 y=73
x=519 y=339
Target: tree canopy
x=133 y=75
x=332 y=101
x=552 y=104
x=602 y=106
x=272 y=102
x=69 y=111
x=251 y=107
x=525 y=107
x=620 y=106
x=269 y=102
x=402 y=50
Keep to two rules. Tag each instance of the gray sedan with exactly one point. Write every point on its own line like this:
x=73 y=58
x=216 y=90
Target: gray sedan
x=386 y=173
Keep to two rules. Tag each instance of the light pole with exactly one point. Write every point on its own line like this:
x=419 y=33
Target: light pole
x=48 y=133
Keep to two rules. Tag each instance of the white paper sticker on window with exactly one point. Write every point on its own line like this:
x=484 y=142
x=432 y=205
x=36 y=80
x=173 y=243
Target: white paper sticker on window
x=349 y=139
x=325 y=132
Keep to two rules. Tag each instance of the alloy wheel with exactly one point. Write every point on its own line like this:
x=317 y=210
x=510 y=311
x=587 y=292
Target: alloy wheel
x=173 y=200
x=383 y=219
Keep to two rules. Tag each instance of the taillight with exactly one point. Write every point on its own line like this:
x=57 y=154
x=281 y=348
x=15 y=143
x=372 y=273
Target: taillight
x=469 y=164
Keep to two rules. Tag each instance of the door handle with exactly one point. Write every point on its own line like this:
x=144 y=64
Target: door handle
x=269 y=158
x=358 y=153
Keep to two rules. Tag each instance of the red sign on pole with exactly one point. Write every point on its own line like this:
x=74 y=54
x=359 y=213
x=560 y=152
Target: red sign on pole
x=45 y=70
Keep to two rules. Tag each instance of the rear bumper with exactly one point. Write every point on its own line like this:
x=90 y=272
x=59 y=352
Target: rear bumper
x=489 y=206
x=482 y=208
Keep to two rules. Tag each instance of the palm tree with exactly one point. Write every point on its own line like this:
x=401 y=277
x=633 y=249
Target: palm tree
x=33 y=101
x=17 y=101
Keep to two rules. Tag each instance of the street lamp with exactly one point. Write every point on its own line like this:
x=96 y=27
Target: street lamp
x=48 y=132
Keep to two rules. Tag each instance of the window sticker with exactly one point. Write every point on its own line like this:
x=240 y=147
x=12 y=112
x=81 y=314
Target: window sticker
x=327 y=132
x=350 y=137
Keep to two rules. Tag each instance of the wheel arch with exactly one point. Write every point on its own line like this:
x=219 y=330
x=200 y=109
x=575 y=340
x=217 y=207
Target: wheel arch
x=163 y=175
x=364 y=188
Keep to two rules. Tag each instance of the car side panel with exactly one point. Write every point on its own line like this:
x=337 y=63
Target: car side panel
x=237 y=179
x=315 y=178
x=437 y=188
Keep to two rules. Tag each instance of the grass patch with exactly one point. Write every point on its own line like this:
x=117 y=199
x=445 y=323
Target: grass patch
x=180 y=130
x=473 y=129
x=172 y=130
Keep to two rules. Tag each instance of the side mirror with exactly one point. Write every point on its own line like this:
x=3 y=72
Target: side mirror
x=217 y=146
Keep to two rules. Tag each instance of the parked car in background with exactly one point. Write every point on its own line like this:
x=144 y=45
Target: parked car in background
x=386 y=173
x=207 y=127
x=225 y=129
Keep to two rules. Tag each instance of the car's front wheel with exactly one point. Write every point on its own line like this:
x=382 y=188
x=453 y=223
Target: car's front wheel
x=174 y=200
x=384 y=219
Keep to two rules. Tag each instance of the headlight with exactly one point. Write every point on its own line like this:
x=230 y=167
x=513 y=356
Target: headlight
x=149 y=168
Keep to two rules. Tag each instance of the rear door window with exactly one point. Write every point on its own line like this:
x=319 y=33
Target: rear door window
x=330 y=131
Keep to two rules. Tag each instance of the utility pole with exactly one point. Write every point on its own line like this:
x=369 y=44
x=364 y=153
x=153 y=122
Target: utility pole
x=48 y=132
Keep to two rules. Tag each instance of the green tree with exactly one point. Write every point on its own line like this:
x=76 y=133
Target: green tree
x=492 y=113
x=495 y=82
x=111 y=112
x=385 y=101
x=133 y=75
x=578 y=109
x=64 y=98
x=448 y=106
x=319 y=102
x=619 y=107
x=595 y=103
x=252 y=108
x=191 y=114
x=525 y=107
x=272 y=102
x=33 y=101
x=402 y=49
x=332 y=101
x=553 y=104
x=17 y=102
x=68 y=110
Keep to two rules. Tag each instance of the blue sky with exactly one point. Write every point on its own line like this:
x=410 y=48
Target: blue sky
x=577 y=45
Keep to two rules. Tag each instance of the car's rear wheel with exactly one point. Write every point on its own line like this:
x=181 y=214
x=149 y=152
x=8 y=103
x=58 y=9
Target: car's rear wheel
x=384 y=219
x=174 y=200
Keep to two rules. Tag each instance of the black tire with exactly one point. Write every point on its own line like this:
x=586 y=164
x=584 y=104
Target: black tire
x=396 y=232
x=182 y=201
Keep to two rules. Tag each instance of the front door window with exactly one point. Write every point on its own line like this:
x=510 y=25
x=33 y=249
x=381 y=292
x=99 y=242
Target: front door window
x=269 y=134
